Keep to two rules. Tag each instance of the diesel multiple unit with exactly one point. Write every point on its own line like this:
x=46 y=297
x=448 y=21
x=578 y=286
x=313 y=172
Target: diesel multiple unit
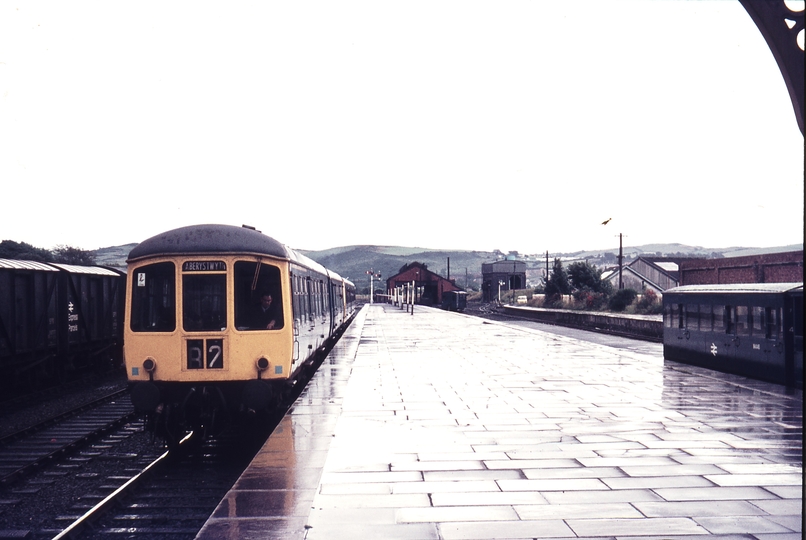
x=221 y=320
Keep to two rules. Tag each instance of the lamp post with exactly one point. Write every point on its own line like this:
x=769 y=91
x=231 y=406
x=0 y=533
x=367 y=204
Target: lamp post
x=372 y=276
x=414 y=290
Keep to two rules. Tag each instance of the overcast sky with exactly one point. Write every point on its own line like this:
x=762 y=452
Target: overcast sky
x=517 y=125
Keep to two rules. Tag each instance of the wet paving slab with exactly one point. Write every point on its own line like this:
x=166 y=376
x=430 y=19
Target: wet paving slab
x=439 y=425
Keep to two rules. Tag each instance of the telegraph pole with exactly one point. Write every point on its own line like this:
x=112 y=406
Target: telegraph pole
x=620 y=260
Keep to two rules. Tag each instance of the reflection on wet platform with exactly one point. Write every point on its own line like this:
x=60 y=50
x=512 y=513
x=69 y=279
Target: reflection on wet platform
x=439 y=425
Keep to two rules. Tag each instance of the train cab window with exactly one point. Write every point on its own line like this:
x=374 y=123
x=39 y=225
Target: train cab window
x=667 y=316
x=258 y=296
x=742 y=321
x=772 y=323
x=757 y=320
x=204 y=302
x=153 y=300
x=706 y=318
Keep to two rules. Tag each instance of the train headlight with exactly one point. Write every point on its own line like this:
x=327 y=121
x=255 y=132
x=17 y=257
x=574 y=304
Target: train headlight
x=262 y=364
x=149 y=365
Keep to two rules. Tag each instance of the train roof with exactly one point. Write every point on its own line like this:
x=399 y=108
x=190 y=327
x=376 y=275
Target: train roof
x=220 y=240
x=202 y=239
x=93 y=270
x=737 y=288
x=15 y=264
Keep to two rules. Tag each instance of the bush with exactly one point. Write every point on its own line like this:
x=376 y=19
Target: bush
x=648 y=298
x=589 y=299
x=622 y=299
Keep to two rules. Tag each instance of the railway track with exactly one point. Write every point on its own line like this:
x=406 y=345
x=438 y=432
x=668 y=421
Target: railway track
x=122 y=483
x=30 y=448
x=173 y=496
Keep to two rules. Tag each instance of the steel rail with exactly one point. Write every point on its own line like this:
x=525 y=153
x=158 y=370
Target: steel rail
x=101 y=508
x=70 y=447
x=59 y=417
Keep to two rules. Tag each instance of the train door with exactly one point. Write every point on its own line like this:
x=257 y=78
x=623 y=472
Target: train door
x=296 y=309
x=332 y=300
x=792 y=328
x=720 y=342
x=742 y=340
x=728 y=336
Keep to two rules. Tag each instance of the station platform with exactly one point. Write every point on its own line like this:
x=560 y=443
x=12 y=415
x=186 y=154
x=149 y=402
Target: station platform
x=438 y=425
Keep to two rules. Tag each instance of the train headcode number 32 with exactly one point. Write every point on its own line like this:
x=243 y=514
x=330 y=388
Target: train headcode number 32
x=205 y=354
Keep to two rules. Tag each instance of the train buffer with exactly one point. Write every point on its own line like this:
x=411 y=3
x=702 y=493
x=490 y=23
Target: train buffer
x=441 y=425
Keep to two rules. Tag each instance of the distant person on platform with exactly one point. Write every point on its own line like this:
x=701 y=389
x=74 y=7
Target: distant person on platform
x=265 y=315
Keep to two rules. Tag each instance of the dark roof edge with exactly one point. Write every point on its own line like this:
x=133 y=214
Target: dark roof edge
x=202 y=239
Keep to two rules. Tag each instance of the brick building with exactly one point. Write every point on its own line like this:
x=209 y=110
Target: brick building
x=786 y=267
x=510 y=274
x=429 y=286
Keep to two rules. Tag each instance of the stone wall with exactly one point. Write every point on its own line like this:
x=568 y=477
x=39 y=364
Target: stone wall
x=648 y=327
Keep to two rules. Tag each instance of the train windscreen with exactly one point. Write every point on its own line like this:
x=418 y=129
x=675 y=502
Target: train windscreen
x=258 y=296
x=153 y=302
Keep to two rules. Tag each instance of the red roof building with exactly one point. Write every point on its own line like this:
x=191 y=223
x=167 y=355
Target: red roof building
x=428 y=285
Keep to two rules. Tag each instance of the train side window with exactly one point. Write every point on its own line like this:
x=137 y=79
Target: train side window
x=772 y=319
x=742 y=322
x=255 y=282
x=692 y=316
x=676 y=316
x=730 y=320
x=757 y=320
x=309 y=297
x=153 y=301
x=706 y=318
x=719 y=318
x=303 y=299
x=295 y=300
x=204 y=302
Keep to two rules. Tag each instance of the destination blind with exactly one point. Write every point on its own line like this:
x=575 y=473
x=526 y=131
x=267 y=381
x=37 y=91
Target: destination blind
x=204 y=266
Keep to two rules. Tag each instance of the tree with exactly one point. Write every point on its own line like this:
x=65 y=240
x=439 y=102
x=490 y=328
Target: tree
x=557 y=284
x=73 y=255
x=584 y=276
x=10 y=249
x=590 y=289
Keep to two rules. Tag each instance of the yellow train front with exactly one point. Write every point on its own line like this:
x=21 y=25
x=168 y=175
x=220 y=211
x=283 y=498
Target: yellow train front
x=221 y=321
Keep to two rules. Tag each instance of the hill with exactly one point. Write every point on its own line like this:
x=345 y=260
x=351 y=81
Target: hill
x=353 y=262
x=114 y=256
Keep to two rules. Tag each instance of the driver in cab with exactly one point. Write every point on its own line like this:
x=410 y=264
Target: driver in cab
x=265 y=314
